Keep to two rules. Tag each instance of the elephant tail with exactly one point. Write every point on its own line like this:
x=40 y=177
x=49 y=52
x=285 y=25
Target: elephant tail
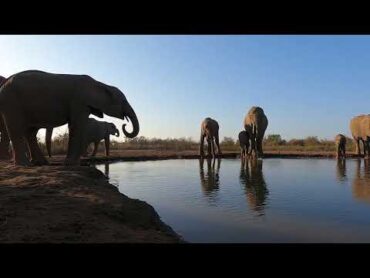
x=49 y=133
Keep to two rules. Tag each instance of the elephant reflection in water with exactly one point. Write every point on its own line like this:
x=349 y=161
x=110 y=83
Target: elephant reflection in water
x=251 y=177
x=210 y=181
x=361 y=182
x=341 y=170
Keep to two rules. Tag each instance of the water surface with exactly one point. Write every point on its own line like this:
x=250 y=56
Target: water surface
x=270 y=200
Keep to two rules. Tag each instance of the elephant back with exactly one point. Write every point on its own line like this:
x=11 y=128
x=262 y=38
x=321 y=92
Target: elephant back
x=255 y=116
x=210 y=124
x=360 y=126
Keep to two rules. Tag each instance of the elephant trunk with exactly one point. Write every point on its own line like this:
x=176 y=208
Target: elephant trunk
x=131 y=115
x=49 y=133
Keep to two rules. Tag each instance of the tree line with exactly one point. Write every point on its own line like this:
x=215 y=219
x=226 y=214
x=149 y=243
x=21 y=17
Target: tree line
x=271 y=142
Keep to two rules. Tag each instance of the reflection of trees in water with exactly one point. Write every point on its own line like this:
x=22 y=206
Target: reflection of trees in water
x=341 y=170
x=210 y=180
x=251 y=177
x=361 y=181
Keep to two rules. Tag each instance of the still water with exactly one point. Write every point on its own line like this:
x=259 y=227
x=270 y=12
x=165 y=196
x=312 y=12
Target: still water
x=264 y=201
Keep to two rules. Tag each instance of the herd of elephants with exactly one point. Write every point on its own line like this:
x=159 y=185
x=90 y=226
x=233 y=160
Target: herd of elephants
x=33 y=99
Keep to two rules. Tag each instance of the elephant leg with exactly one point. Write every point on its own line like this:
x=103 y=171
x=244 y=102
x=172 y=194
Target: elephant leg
x=77 y=131
x=337 y=151
x=36 y=155
x=85 y=153
x=366 y=146
x=96 y=145
x=218 y=145
x=201 y=150
x=357 y=141
x=15 y=128
x=5 y=141
x=209 y=147
x=344 y=151
x=213 y=147
x=259 y=146
x=107 y=145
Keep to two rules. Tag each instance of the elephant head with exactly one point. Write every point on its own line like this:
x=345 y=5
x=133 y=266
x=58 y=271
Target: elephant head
x=111 y=101
x=112 y=129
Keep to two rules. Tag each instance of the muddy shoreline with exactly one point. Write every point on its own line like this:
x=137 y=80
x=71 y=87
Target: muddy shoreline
x=148 y=155
x=56 y=204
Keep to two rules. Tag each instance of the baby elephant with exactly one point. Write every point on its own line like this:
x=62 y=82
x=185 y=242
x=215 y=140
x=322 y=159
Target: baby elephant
x=340 y=143
x=95 y=132
x=209 y=130
x=244 y=143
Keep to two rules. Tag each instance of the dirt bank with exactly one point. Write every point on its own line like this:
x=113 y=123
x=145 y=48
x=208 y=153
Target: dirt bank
x=56 y=204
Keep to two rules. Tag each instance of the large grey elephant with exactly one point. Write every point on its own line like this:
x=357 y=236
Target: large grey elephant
x=33 y=99
x=4 y=138
x=255 y=123
x=209 y=129
x=340 y=145
x=360 y=129
x=95 y=132
x=244 y=144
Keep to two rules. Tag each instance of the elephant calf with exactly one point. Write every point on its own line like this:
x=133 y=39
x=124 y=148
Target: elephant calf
x=340 y=143
x=209 y=130
x=95 y=132
x=244 y=143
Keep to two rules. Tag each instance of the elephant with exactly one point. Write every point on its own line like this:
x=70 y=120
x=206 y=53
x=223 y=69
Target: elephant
x=210 y=181
x=4 y=139
x=244 y=144
x=209 y=130
x=360 y=129
x=253 y=181
x=340 y=145
x=95 y=132
x=255 y=123
x=33 y=99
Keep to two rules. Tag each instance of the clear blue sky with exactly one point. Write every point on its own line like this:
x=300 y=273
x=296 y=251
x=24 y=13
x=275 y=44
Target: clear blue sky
x=307 y=85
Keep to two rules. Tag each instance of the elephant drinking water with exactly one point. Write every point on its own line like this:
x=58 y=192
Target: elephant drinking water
x=340 y=144
x=255 y=123
x=95 y=132
x=33 y=99
x=360 y=129
x=209 y=130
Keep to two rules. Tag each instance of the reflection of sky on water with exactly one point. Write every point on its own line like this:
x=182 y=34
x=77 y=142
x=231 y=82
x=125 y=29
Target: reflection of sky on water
x=274 y=200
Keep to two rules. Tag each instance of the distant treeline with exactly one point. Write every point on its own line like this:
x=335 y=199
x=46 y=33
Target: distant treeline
x=272 y=142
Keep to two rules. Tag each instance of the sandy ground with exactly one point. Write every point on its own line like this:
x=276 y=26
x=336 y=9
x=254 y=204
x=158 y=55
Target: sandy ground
x=56 y=204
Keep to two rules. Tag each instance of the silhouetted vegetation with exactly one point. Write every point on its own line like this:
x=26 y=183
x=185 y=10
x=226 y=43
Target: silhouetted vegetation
x=272 y=142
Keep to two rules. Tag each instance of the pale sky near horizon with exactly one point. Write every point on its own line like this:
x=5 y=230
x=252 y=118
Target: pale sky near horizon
x=307 y=85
